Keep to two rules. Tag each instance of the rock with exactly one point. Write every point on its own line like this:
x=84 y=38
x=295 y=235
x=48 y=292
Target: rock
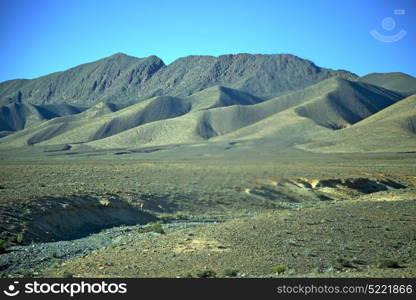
x=329 y=270
x=291 y=272
x=324 y=220
x=345 y=247
x=294 y=243
x=359 y=262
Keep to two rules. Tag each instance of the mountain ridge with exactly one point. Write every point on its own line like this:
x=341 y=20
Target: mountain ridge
x=84 y=85
x=328 y=105
x=141 y=102
x=126 y=79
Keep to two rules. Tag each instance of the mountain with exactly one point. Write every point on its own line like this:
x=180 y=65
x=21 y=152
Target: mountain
x=16 y=116
x=390 y=130
x=293 y=117
x=113 y=79
x=210 y=115
x=123 y=79
x=396 y=81
x=104 y=120
x=264 y=76
x=219 y=96
x=127 y=102
x=10 y=87
x=321 y=108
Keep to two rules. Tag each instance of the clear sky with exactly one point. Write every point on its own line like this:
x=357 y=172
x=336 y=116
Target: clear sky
x=42 y=36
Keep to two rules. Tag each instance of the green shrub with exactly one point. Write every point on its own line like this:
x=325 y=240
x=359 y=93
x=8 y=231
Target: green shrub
x=344 y=263
x=231 y=273
x=156 y=227
x=280 y=269
x=20 y=238
x=68 y=275
x=2 y=246
x=28 y=274
x=206 y=274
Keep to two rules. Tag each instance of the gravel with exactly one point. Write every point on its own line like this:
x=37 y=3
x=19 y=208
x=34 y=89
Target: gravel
x=27 y=261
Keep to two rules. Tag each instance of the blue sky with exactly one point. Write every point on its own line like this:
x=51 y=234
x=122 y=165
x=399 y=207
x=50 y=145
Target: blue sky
x=43 y=36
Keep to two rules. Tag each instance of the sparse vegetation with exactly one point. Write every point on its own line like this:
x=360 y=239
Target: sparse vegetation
x=203 y=191
x=280 y=269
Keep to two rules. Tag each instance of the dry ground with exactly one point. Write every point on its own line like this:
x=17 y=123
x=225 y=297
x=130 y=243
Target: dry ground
x=272 y=216
x=351 y=238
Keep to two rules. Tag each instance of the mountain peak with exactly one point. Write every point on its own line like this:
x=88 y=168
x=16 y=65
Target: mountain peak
x=120 y=54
